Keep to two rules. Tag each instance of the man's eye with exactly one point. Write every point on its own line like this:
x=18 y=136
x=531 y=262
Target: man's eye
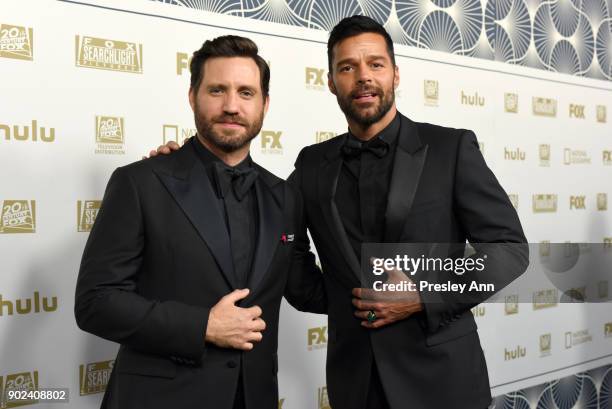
x=247 y=93
x=215 y=91
x=345 y=68
x=377 y=65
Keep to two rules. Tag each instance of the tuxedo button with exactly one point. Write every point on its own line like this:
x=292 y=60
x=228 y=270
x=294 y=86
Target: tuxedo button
x=231 y=364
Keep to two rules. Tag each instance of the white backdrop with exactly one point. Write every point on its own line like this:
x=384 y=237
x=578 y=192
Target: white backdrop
x=48 y=181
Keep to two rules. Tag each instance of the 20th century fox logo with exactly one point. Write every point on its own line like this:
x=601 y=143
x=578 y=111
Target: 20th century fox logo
x=87 y=211
x=93 y=377
x=104 y=54
x=110 y=135
x=16 y=42
x=18 y=382
x=18 y=216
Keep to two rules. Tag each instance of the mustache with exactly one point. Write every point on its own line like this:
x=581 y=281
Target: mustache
x=366 y=89
x=230 y=118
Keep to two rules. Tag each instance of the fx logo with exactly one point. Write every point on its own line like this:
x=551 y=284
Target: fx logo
x=315 y=76
x=271 y=140
x=577 y=202
x=576 y=111
x=183 y=61
x=317 y=336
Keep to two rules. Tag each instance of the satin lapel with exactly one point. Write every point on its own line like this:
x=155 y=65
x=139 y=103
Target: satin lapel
x=329 y=172
x=192 y=190
x=270 y=209
x=408 y=163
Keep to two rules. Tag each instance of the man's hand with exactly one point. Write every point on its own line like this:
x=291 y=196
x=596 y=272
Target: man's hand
x=234 y=327
x=166 y=149
x=389 y=306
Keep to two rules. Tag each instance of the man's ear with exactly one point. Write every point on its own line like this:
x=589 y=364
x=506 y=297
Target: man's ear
x=396 y=77
x=192 y=98
x=266 y=104
x=330 y=83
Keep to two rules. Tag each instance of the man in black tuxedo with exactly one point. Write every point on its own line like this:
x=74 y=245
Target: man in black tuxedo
x=392 y=180
x=191 y=254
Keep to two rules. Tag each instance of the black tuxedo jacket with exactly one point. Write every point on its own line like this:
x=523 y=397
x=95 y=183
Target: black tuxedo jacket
x=158 y=258
x=441 y=191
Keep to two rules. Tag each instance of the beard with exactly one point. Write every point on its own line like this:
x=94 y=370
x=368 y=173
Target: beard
x=227 y=140
x=365 y=120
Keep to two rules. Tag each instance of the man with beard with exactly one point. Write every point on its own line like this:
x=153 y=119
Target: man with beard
x=392 y=180
x=191 y=254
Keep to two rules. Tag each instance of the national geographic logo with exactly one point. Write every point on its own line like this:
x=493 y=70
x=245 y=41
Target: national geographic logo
x=18 y=382
x=18 y=216
x=514 y=199
x=511 y=103
x=176 y=133
x=576 y=157
x=322 y=136
x=103 y=54
x=545 y=298
x=608 y=330
x=87 y=211
x=183 y=61
x=281 y=402
x=478 y=311
x=511 y=304
x=577 y=203
x=110 y=135
x=607 y=243
x=270 y=142
x=317 y=338
x=35 y=305
x=431 y=92
x=314 y=78
x=513 y=354
x=573 y=339
x=544 y=203
x=545 y=344
x=544 y=107
x=576 y=111
x=32 y=132
x=93 y=377
x=472 y=100
x=544 y=151
x=16 y=42
x=323 y=398
x=514 y=154
x=607 y=158
x=601 y=114
x=481 y=147
x=602 y=201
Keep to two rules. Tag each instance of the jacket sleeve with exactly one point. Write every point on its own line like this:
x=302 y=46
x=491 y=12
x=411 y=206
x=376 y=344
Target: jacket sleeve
x=305 y=289
x=492 y=226
x=107 y=300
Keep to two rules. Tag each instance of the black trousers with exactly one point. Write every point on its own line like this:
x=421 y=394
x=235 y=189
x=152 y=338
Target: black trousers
x=239 y=399
x=376 y=394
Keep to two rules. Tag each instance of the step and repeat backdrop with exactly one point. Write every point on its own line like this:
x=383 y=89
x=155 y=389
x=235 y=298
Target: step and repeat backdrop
x=87 y=86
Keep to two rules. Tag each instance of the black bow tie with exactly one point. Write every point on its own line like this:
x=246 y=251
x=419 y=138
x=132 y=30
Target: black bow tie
x=353 y=148
x=241 y=180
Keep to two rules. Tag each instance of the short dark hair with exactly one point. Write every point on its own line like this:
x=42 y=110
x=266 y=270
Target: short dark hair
x=228 y=46
x=352 y=26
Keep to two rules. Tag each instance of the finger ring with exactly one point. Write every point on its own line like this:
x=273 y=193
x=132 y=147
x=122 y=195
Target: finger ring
x=371 y=316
